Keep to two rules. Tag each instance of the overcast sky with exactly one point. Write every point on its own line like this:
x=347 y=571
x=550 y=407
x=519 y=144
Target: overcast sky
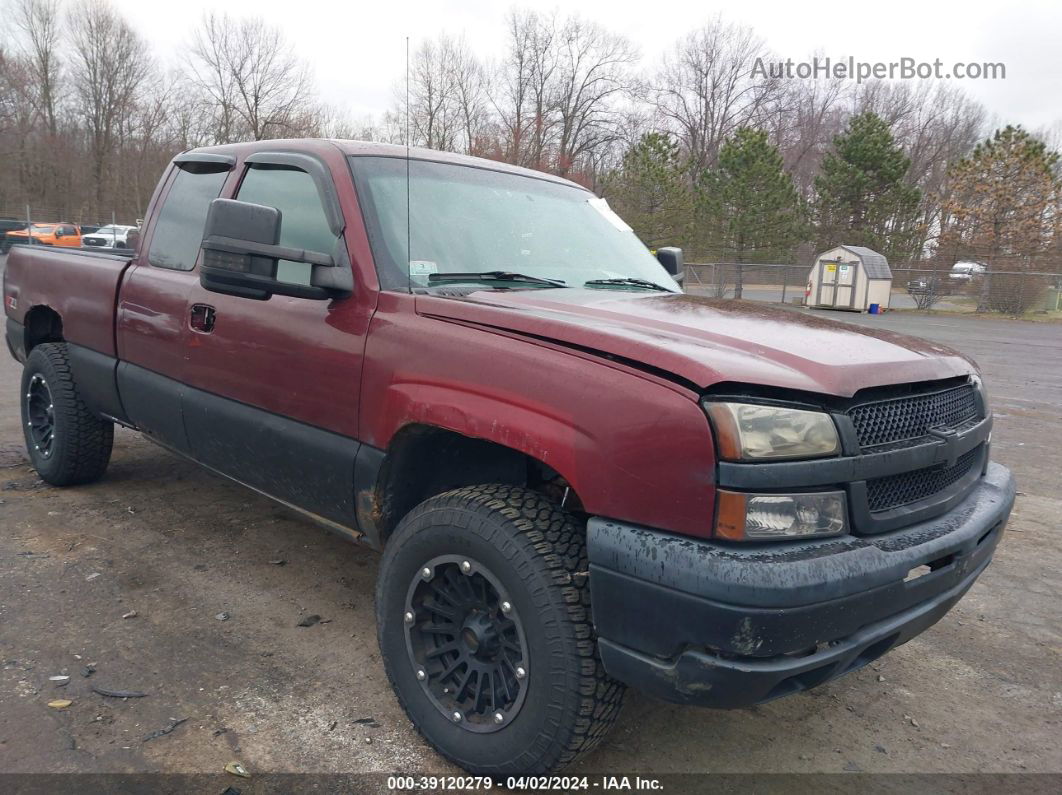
x=357 y=49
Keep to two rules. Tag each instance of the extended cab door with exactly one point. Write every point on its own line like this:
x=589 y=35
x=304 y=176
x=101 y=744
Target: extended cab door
x=152 y=329
x=272 y=398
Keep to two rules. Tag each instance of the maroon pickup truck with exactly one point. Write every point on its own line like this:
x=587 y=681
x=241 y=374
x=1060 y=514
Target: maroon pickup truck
x=580 y=477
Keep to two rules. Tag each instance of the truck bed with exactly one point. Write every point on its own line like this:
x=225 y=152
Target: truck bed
x=81 y=286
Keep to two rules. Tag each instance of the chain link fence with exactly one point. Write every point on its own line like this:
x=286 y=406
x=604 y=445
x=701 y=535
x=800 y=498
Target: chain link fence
x=18 y=219
x=50 y=215
x=1009 y=292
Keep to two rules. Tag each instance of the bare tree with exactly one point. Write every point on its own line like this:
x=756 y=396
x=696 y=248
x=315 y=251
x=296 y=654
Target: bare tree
x=814 y=115
x=709 y=88
x=255 y=84
x=16 y=96
x=17 y=113
x=110 y=63
x=544 y=62
x=433 y=105
x=147 y=138
x=470 y=86
x=593 y=72
x=39 y=22
x=523 y=95
x=335 y=123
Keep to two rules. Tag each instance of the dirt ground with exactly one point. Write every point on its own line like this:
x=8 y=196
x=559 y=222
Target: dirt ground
x=980 y=692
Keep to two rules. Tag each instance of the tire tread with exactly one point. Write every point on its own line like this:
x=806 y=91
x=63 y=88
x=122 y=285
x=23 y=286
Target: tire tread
x=558 y=543
x=87 y=439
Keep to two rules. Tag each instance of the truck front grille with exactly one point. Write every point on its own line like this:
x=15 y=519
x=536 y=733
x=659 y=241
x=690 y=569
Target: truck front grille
x=911 y=417
x=904 y=488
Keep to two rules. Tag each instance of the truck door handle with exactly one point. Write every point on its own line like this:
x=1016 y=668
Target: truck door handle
x=202 y=318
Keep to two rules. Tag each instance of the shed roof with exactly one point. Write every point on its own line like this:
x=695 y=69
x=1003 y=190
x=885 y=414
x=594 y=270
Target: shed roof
x=875 y=264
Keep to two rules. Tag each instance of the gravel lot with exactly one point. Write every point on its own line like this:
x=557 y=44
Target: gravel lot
x=980 y=692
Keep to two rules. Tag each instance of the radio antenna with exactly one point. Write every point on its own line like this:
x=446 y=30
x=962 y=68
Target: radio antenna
x=409 y=234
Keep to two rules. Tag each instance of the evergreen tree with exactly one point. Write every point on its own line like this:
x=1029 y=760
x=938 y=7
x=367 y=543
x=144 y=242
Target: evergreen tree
x=748 y=205
x=1003 y=211
x=862 y=197
x=651 y=192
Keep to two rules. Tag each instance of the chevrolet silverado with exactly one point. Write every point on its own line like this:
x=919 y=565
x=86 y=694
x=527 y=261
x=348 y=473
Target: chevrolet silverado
x=580 y=478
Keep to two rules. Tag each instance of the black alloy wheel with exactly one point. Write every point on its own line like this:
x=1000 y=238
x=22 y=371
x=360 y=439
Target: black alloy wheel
x=466 y=643
x=40 y=413
x=486 y=631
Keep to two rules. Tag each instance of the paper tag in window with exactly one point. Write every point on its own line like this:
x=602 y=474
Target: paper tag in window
x=422 y=267
x=609 y=215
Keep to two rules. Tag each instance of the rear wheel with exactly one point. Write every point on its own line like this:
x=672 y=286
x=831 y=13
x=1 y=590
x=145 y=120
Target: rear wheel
x=67 y=443
x=483 y=615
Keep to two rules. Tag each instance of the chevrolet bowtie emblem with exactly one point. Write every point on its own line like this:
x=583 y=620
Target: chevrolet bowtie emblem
x=951 y=444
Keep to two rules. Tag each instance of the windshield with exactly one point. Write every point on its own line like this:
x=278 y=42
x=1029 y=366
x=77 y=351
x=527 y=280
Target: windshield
x=468 y=220
x=107 y=230
x=43 y=227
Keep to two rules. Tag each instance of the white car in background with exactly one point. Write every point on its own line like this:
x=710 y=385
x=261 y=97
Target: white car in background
x=110 y=236
x=966 y=271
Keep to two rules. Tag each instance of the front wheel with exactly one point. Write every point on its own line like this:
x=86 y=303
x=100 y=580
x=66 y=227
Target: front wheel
x=483 y=615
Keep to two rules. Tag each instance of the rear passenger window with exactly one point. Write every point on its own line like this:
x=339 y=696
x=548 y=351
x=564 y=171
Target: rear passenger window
x=179 y=230
x=303 y=223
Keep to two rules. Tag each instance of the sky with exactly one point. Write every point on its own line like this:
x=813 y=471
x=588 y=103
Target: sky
x=357 y=49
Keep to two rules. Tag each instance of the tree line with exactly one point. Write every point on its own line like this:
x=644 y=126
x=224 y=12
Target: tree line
x=90 y=116
x=696 y=149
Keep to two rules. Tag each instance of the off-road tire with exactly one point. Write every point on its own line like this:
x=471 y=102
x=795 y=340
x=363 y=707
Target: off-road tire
x=82 y=440
x=537 y=552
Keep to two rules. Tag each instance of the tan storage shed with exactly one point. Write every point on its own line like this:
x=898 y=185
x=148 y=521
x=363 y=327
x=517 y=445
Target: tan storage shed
x=850 y=277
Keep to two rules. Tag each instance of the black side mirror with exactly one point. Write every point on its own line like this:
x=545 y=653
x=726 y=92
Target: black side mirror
x=671 y=258
x=240 y=255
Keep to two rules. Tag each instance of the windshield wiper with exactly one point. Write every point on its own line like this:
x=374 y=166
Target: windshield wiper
x=629 y=281
x=494 y=276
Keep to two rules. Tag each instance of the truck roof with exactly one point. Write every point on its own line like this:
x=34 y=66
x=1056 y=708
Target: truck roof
x=348 y=147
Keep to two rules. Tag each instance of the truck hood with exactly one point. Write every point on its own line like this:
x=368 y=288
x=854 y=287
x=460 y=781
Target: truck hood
x=703 y=342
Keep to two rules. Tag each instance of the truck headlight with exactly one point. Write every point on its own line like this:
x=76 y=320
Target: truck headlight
x=751 y=432
x=766 y=517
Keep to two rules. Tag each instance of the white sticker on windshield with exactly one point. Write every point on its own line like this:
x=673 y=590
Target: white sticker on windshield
x=609 y=214
x=422 y=267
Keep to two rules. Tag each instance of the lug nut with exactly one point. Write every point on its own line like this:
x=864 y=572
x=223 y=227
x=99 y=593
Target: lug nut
x=425 y=573
x=499 y=718
x=456 y=717
x=421 y=674
x=506 y=608
x=466 y=567
x=520 y=673
x=408 y=617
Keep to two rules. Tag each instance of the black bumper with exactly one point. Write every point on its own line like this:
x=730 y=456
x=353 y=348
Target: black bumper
x=730 y=626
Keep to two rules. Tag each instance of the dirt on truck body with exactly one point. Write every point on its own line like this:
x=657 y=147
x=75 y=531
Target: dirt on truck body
x=581 y=479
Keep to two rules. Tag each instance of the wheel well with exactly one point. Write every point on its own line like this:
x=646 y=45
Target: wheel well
x=43 y=324
x=423 y=461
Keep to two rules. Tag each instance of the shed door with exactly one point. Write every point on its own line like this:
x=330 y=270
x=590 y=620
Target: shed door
x=827 y=295
x=844 y=288
x=836 y=284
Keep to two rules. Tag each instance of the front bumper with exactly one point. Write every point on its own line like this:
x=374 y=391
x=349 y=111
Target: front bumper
x=729 y=626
